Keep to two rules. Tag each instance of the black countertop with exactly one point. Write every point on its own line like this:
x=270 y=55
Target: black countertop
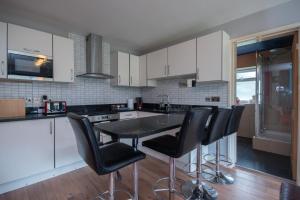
x=32 y=117
x=105 y=108
x=141 y=127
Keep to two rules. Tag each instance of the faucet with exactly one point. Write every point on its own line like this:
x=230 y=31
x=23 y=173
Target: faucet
x=162 y=101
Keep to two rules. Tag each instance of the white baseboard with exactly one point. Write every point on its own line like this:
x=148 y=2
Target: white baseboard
x=6 y=187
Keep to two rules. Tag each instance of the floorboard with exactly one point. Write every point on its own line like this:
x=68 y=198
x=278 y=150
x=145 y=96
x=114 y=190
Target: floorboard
x=85 y=184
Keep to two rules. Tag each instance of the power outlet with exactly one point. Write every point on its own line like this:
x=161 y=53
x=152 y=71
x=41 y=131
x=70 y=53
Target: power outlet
x=28 y=100
x=36 y=101
x=215 y=99
x=207 y=99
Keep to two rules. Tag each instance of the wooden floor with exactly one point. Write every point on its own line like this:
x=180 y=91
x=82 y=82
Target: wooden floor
x=85 y=184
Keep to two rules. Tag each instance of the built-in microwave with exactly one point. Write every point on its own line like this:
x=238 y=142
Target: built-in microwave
x=27 y=66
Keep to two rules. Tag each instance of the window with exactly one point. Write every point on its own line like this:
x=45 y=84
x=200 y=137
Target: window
x=246 y=85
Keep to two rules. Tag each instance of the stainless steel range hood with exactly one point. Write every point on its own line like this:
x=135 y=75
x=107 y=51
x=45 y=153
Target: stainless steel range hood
x=94 y=68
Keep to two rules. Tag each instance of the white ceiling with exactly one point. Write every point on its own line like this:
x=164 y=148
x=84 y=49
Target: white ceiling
x=142 y=24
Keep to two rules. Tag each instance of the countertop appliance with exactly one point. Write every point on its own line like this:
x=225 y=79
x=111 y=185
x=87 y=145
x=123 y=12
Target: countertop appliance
x=29 y=66
x=139 y=103
x=103 y=117
x=55 y=107
x=130 y=104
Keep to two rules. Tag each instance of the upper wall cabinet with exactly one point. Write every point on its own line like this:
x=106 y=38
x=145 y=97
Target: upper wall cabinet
x=157 y=62
x=182 y=58
x=120 y=68
x=3 y=50
x=134 y=64
x=144 y=82
x=213 y=57
x=63 y=59
x=29 y=41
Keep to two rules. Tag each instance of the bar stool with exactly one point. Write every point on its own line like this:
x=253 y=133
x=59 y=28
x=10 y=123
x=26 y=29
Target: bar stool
x=215 y=134
x=105 y=160
x=186 y=140
x=194 y=188
x=232 y=127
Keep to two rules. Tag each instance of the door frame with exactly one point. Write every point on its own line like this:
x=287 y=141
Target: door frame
x=232 y=140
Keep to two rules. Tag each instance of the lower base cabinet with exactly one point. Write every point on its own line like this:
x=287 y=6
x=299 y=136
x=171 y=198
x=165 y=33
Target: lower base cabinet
x=26 y=148
x=65 y=143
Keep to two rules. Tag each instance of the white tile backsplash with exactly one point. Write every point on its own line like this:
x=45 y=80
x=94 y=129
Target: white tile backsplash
x=97 y=91
x=184 y=95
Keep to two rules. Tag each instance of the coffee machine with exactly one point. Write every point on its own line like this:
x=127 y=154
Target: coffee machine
x=139 y=103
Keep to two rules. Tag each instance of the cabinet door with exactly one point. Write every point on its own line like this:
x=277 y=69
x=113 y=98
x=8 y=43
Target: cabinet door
x=143 y=70
x=209 y=57
x=134 y=71
x=144 y=82
x=29 y=40
x=123 y=69
x=26 y=148
x=182 y=58
x=65 y=143
x=3 y=50
x=157 y=64
x=63 y=59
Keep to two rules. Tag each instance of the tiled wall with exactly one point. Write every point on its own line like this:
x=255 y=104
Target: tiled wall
x=82 y=91
x=183 y=95
x=96 y=91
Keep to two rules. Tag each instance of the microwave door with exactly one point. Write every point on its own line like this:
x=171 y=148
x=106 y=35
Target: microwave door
x=29 y=66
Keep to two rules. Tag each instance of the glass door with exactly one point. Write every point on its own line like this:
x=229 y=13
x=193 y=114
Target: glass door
x=274 y=93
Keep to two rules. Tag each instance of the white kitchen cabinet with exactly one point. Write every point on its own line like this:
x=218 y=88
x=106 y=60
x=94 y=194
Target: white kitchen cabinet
x=213 y=57
x=134 y=71
x=3 y=50
x=29 y=40
x=157 y=62
x=182 y=58
x=63 y=59
x=66 y=151
x=26 y=148
x=144 y=82
x=120 y=68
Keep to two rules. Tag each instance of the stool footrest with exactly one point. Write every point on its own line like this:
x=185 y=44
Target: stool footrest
x=106 y=195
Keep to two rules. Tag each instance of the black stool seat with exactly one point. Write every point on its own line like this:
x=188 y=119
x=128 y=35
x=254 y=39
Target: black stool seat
x=118 y=155
x=165 y=144
x=107 y=159
x=192 y=131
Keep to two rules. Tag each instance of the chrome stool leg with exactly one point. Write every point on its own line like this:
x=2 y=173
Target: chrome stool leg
x=196 y=189
x=220 y=177
x=110 y=194
x=170 y=182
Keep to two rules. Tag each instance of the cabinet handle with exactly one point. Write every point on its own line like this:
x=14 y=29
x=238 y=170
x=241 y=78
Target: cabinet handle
x=197 y=73
x=31 y=50
x=51 y=128
x=165 y=70
x=168 y=69
x=2 y=67
x=119 y=79
x=130 y=80
x=72 y=74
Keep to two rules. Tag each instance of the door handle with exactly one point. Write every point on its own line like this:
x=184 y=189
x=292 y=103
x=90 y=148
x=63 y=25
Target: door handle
x=72 y=74
x=51 y=128
x=2 y=67
x=165 y=70
x=32 y=50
